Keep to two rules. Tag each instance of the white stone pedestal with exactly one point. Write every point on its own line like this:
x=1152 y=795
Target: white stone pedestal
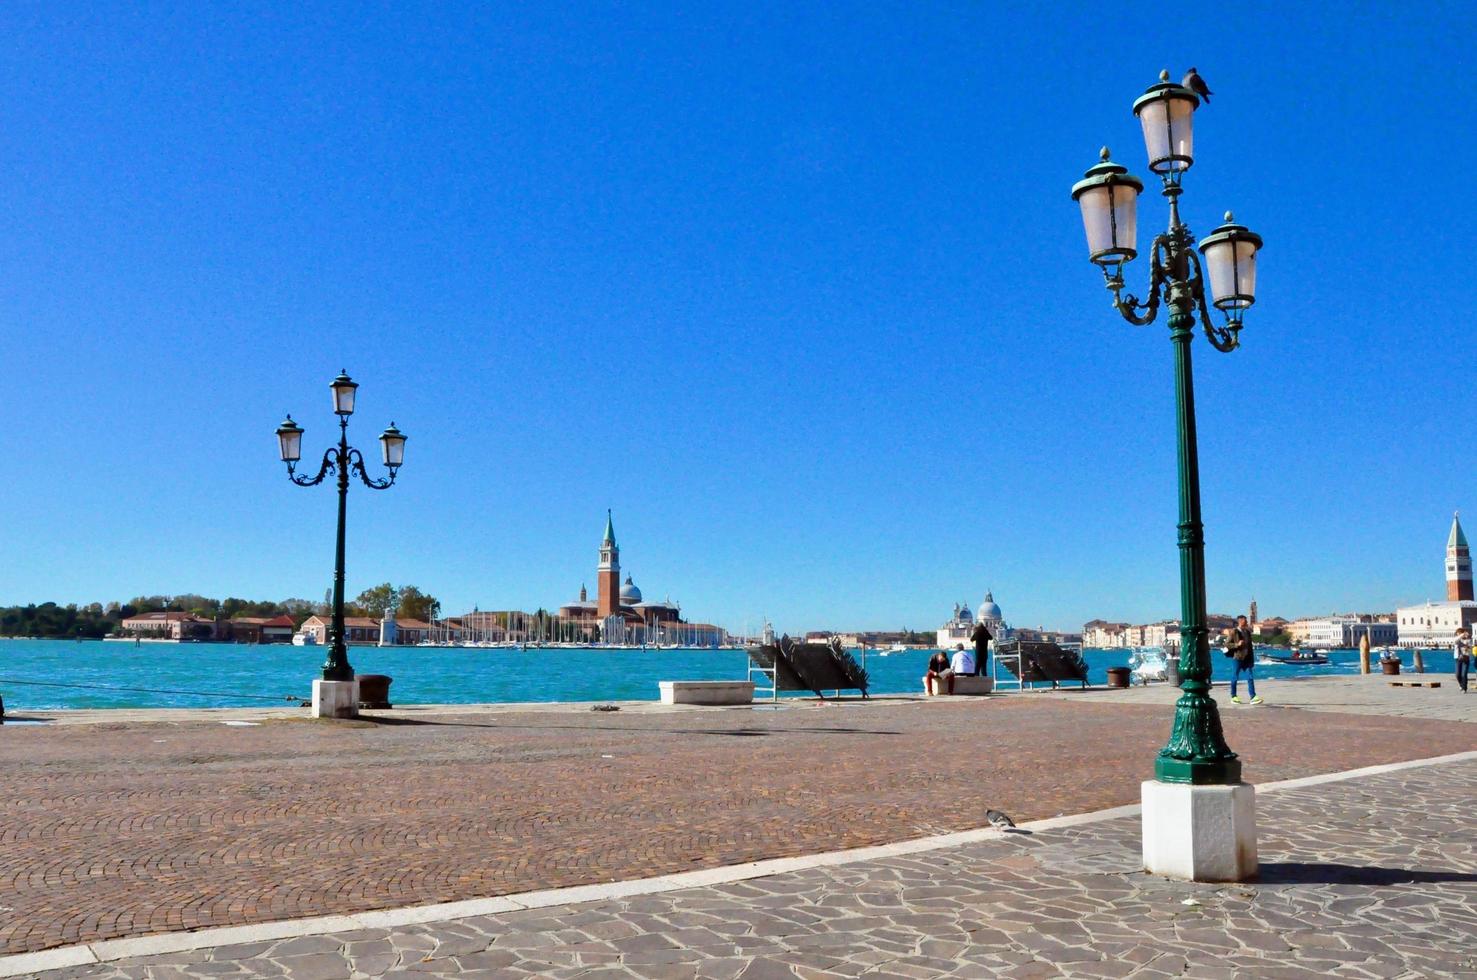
x=706 y=692
x=335 y=699
x=1200 y=833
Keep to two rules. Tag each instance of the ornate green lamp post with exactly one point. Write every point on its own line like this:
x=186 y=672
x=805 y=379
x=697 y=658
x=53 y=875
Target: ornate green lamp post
x=344 y=460
x=1196 y=754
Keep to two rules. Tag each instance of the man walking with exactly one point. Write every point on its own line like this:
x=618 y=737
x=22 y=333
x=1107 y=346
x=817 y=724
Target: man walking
x=981 y=637
x=1461 y=650
x=1242 y=649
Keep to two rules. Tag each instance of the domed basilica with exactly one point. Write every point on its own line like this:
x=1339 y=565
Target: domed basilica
x=960 y=628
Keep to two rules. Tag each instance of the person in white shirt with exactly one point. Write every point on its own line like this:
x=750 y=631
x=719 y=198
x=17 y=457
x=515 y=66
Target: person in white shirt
x=963 y=661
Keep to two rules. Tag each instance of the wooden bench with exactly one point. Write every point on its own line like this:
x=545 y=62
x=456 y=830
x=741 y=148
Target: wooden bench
x=706 y=692
x=1415 y=683
x=964 y=684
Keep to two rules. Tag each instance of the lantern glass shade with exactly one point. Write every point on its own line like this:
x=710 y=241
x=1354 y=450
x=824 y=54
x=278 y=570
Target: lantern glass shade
x=1230 y=261
x=290 y=440
x=1166 y=113
x=1108 y=195
x=343 y=394
x=392 y=442
x=1109 y=216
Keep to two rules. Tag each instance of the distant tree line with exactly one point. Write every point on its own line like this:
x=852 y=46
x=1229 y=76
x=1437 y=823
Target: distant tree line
x=97 y=619
x=408 y=602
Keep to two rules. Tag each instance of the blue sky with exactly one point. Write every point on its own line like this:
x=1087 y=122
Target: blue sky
x=800 y=292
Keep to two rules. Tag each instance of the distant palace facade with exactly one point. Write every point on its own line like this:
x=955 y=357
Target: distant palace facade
x=1434 y=624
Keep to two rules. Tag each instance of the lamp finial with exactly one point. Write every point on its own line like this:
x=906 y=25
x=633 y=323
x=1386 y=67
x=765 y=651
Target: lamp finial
x=1164 y=75
x=1230 y=217
x=1103 y=154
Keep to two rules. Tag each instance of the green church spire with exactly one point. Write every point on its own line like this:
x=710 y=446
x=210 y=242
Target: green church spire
x=1457 y=539
x=609 y=529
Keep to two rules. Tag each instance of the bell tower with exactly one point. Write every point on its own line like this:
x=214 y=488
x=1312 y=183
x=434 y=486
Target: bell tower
x=608 y=574
x=1458 y=563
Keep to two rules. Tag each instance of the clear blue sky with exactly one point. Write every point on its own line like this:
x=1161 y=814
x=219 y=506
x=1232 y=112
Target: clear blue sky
x=799 y=292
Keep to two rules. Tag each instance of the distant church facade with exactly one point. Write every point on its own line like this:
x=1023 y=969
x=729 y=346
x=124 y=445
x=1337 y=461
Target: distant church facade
x=620 y=615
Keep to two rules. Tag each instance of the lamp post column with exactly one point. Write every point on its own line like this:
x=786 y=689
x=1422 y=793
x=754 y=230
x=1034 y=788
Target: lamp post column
x=1196 y=752
x=337 y=668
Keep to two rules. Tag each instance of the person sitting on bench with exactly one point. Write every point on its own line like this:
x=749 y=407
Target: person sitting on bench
x=962 y=664
x=938 y=669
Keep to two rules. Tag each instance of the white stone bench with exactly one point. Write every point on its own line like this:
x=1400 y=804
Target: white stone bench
x=707 y=692
x=963 y=684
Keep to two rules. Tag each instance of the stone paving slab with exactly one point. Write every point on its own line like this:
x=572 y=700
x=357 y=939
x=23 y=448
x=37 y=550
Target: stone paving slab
x=1362 y=878
x=127 y=829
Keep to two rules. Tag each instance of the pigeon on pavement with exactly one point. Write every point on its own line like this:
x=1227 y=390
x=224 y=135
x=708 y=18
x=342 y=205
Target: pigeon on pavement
x=999 y=820
x=1196 y=84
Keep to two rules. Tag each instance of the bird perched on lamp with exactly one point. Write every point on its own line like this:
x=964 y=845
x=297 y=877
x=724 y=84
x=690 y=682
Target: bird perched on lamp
x=1196 y=84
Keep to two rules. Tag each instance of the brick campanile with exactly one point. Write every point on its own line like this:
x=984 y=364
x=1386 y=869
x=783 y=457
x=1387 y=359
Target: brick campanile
x=1458 y=563
x=608 y=574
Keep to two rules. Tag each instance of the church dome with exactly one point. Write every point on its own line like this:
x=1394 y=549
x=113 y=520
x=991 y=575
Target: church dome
x=988 y=609
x=630 y=595
x=965 y=616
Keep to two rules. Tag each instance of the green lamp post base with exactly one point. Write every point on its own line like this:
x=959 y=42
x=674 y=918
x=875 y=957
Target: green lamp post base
x=1197 y=752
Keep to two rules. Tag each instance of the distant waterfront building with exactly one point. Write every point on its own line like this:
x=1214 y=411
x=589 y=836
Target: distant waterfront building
x=1162 y=634
x=1099 y=634
x=1435 y=623
x=169 y=626
x=368 y=630
x=1345 y=632
x=1270 y=626
x=621 y=615
x=961 y=626
x=181 y=626
x=260 y=629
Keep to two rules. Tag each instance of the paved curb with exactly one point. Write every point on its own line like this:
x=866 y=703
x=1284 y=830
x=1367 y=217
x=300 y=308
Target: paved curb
x=173 y=942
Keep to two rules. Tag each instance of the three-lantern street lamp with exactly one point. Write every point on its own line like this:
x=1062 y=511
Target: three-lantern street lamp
x=1197 y=753
x=343 y=460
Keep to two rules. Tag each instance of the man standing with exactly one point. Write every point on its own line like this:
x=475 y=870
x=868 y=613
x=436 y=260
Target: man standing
x=981 y=637
x=1461 y=650
x=1240 y=647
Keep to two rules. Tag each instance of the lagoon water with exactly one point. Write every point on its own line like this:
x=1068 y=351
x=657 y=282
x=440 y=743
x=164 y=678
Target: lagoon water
x=212 y=675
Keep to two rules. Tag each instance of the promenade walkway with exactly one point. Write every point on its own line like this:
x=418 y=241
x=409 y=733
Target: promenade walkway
x=169 y=821
x=1362 y=877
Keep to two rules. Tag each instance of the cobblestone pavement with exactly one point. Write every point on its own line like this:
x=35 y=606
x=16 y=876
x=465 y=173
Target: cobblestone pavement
x=1362 y=878
x=113 y=830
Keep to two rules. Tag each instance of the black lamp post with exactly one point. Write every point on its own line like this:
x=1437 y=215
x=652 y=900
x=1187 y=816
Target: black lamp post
x=343 y=460
x=1197 y=752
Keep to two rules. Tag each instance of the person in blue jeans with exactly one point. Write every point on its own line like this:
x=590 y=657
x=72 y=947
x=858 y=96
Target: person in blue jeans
x=1461 y=651
x=1241 y=647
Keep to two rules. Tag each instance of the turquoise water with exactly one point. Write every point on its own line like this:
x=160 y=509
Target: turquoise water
x=425 y=675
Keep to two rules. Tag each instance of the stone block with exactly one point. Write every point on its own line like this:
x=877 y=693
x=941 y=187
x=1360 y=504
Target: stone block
x=964 y=685
x=706 y=692
x=1200 y=833
x=335 y=699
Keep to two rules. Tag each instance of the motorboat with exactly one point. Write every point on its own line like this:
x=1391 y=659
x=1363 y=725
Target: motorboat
x=1298 y=657
x=302 y=638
